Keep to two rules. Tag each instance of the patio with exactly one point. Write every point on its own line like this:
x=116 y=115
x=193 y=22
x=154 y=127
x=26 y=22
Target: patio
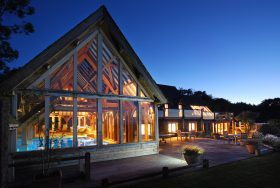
x=217 y=151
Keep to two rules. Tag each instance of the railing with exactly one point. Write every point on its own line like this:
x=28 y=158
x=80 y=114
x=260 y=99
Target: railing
x=192 y=113
x=85 y=168
x=175 y=113
x=208 y=115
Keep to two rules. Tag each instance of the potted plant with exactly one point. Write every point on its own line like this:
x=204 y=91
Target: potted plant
x=251 y=145
x=191 y=153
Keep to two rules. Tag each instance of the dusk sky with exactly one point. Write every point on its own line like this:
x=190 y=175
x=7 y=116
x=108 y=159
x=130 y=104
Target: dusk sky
x=228 y=48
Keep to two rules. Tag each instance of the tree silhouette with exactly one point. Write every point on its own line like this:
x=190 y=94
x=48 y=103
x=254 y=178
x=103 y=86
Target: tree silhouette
x=9 y=8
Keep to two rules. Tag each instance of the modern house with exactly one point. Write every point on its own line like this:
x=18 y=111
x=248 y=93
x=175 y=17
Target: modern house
x=87 y=92
x=189 y=113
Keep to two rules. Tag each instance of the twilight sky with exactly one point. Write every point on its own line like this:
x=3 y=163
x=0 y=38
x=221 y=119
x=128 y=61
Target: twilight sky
x=229 y=48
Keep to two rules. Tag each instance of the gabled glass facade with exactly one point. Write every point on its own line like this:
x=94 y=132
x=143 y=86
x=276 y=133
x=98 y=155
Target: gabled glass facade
x=74 y=105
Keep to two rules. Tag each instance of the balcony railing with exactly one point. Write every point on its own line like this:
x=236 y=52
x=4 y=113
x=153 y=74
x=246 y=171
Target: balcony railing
x=208 y=115
x=192 y=113
x=176 y=113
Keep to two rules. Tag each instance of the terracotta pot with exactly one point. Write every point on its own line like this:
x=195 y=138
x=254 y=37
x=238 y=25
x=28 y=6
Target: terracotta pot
x=250 y=148
x=191 y=159
x=52 y=180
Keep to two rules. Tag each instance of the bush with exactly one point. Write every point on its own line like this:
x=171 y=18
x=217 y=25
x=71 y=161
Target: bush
x=192 y=150
x=269 y=129
x=257 y=135
x=270 y=139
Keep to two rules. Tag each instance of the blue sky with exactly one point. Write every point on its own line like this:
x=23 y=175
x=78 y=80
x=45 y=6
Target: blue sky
x=229 y=48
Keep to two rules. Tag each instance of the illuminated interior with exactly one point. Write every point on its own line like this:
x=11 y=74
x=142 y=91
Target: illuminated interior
x=148 y=121
x=67 y=108
x=172 y=127
x=192 y=126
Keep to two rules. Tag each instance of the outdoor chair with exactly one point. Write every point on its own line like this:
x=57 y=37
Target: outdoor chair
x=192 y=135
x=243 y=138
x=179 y=134
x=227 y=137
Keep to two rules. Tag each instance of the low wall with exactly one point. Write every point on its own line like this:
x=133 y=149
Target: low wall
x=98 y=153
x=111 y=152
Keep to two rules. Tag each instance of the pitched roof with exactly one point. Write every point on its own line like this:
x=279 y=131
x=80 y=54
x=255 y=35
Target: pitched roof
x=56 y=51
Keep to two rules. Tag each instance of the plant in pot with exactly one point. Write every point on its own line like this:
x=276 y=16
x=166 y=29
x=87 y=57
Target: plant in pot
x=192 y=153
x=252 y=145
x=48 y=177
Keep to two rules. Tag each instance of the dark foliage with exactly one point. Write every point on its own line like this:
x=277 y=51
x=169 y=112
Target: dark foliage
x=267 y=111
x=19 y=9
x=270 y=129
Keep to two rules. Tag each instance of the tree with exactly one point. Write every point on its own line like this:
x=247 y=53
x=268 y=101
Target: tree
x=20 y=9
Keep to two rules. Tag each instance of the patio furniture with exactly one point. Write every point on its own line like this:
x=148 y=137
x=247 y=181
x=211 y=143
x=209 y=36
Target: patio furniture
x=230 y=137
x=242 y=138
x=192 y=135
x=180 y=134
x=163 y=137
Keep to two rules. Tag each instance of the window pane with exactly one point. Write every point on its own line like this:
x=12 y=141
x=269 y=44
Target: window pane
x=31 y=134
x=87 y=117
x=62 y=77
x=129 y=85
x=148 y=121
x=87 y=67
x=110 y=72
x=110 y=121
x=130 y=121
x=61 y=122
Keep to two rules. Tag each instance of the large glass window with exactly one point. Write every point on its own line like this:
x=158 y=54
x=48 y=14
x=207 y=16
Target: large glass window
x=110 y=121
x=110 y=72
x=87 y=121
x=31 y=133
x=147 y=121
x=61 y=122
x=129 y=85
x=62 y=77
x=130 y=121
x=87 y=67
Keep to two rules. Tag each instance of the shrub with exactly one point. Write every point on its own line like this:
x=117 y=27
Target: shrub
x=269 y=129
x=257 y=135
x=192 y=150
x=270 y=139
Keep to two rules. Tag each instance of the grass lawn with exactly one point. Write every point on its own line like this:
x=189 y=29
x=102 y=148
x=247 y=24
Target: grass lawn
x=261 y=171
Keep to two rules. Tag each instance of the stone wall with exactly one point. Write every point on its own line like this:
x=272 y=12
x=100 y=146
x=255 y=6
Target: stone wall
x=111 y=152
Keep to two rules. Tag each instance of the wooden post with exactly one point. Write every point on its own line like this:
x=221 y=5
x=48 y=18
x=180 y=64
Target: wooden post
x=120 y=104
x=75 y=100
x=4 y=131
x=165 y=172
x=87 y=165
x=47 y=112
x=75 y=122
x=139 y=121
x=99 y=89
x=156 y=124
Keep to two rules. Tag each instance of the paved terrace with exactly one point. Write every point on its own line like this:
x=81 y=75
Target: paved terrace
x=217 y=151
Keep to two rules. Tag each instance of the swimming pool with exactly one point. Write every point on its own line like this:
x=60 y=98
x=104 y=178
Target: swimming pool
x=36 y=143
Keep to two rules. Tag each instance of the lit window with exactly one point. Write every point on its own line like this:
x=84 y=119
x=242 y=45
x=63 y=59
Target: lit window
x=166 y=106
x=180 y=107
x=142 y=129
x=172 y=127
x=192 y=126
